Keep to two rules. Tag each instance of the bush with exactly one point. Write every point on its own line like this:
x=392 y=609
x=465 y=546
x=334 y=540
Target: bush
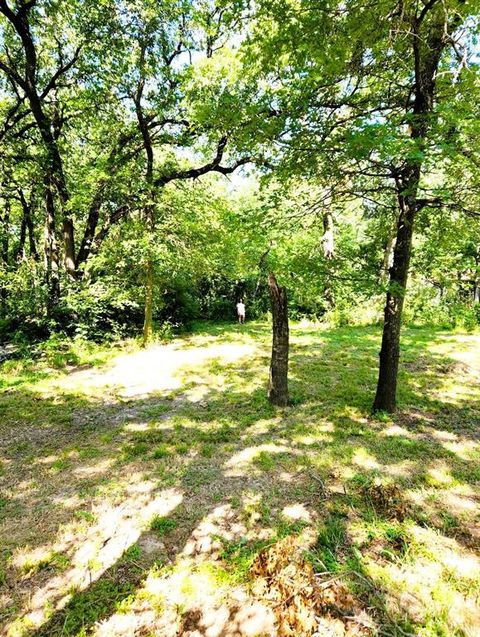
x=425 y=306
x=25 y=302
x=164 y=331
x=98 y=311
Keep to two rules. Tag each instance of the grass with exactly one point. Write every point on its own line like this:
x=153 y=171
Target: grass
x=144 y=483
x=163 y=525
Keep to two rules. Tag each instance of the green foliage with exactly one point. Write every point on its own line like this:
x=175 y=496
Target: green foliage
x=318 y=104
x=99 y=310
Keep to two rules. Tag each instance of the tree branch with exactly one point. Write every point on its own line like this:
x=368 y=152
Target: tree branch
x=61 y=71
x=212 y=166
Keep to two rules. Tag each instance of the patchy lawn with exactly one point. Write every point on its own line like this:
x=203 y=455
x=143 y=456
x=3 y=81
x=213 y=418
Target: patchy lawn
x=156 y=492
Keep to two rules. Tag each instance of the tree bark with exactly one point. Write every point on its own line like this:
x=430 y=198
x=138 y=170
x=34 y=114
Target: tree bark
x=385 y=398
x=90 y=227
x=54 y=173
x=51 y=253
x=20 y=251
x=55 y=178
x=328 y=239
x=278 y=382
x=92 y=238
x=27 y=226
x=427 y=45
x=476 y=282
x=328 y=246
x=388 y=257
x=5 y=221
x=148 y=316
x=151 y=195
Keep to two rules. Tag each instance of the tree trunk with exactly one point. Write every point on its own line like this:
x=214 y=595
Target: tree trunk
x=476 y=281
x=51 y=253
x=27 y=226
x=69 y=246
x=428 y=44
x=5 y=221
x=90 y=228
x=151 y=194
x=54 y=172
x=388 y=258
x=328 y=239
x=20 y=251
x=55 y=176
x=278 y=382
x=149 y=270
x=328 y=246
x=476 y=292
x=385 y=398
x=148 y=320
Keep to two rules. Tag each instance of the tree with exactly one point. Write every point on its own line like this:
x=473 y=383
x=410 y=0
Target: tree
x=278 y=380
x=430 y=28
x=69 y=87
x=362 y=98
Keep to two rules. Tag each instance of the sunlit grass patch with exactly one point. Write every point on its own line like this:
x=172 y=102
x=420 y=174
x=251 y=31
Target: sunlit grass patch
x=161 y=451
x=155 y=411
x=84 y=608
x=100 y=473
x=32 y=563
x=265 y=461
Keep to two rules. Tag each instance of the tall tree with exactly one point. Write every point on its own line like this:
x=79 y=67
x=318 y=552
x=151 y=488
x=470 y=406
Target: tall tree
x=429 y=29
x=25 y=79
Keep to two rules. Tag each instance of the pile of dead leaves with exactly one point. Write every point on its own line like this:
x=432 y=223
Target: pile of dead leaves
x=386 y=499
x=303 y=604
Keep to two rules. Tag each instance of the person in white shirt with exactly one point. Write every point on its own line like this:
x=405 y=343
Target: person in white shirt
x=241 y=311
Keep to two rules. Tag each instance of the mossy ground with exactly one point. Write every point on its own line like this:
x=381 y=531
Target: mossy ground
x=137 y=486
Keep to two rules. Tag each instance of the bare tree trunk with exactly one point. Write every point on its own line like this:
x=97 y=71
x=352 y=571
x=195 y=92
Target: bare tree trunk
x=278 y=382
x=151 y=194
x=388 y=257
x=385 y=398
x=51 y=253
x=328 y=239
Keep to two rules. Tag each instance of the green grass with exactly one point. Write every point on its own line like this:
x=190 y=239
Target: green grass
x=167 y=495
x=162 y=451
x=162 y=525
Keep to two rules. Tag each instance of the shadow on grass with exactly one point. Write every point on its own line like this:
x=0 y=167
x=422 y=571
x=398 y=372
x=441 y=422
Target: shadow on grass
x=195 y=448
